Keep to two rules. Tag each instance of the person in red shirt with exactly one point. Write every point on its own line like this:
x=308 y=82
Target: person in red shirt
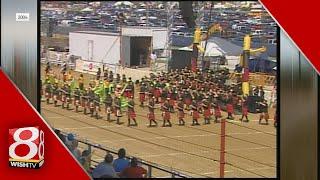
x=134 y=171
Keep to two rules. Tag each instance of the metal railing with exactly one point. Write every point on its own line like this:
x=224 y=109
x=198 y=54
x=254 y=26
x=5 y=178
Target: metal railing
x=151 y=167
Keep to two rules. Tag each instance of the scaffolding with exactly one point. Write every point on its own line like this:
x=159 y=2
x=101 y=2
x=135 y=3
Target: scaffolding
x=170 y=17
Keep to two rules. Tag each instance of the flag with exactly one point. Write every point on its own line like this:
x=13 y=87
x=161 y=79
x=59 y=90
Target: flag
x=73 y=85
x=100 y=90
x=51 y=79
x=123 y=102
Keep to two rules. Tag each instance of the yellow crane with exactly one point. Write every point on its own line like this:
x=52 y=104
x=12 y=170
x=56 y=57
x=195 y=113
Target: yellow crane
x=201 y=36
x=197 y=38
x=244 y=62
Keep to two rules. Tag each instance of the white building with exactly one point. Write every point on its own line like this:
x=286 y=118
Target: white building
x=100 y=47
x=104 y=47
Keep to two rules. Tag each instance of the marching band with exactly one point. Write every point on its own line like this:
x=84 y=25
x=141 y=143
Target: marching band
x=184 y=90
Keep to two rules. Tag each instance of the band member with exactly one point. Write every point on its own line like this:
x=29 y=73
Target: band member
x=264 y=111
x=85 y=100
x=151 y=115
x=111 y=86
x=110 y=76
x=142 y=94
x=97 y=105
x=108 y=106
x=48 y=92
x=187 y=99
x=181 y=112
x=118 y=78
x=55 y=92
x=63 y=71
x=244 y=110
x=206 y=112
x=128 y=92
x=47 y=69
x=66 y=96
x=131 y=112
x=118 y=90
x=98 y=73
x=130 y=88
x=91 y=102
x=230 y=109
x=166 y=114
x=164 y=96
x=105 y=74
x=77 y=94
x=124 y=79
x=157 y=94
x=194 y=113
x=117 y=111
x=65 y=76
x=106 y=86
x=217 y=112
x=81 y=82
x=171 y=104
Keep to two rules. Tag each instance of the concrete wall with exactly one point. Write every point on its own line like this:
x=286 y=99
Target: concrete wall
x=106 y=48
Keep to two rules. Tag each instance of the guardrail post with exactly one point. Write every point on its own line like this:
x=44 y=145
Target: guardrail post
x=172 y=174
x=149 y=174
x=222 y=147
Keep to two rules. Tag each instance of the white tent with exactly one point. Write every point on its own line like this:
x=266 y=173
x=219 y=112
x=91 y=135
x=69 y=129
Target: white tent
x=87 y=9
x=212 y=49
x=142 y=5
x=120 y=3
x=160 y=6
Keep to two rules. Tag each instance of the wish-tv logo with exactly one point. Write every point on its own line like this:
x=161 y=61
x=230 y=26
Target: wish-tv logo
x=26 y=147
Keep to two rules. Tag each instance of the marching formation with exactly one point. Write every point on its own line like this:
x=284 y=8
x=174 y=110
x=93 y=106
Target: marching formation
x=201 y=95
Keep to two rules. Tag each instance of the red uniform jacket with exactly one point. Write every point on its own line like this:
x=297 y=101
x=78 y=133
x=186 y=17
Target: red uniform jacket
x=229 y=108
x=217 y=111
x=195 y=114
x=244 y=109
x=142 y=97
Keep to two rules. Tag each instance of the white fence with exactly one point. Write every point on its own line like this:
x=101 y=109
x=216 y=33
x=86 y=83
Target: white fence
x=92 y=68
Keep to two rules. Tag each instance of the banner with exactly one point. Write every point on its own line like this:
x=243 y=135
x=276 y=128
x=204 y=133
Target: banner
x=92 y=67
x=88 y=67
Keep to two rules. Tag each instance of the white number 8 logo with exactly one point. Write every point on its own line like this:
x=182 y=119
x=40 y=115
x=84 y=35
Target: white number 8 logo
x=33 y=149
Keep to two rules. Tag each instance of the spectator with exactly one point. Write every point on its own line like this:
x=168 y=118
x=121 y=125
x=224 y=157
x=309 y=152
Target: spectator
x=85 y=160
x=121 y=163
x=69 y=140
x=61 y=136
x=74 y=150
x=134 y=171
x=105 y=168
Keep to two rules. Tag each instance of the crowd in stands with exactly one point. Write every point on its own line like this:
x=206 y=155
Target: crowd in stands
x=122 y=167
